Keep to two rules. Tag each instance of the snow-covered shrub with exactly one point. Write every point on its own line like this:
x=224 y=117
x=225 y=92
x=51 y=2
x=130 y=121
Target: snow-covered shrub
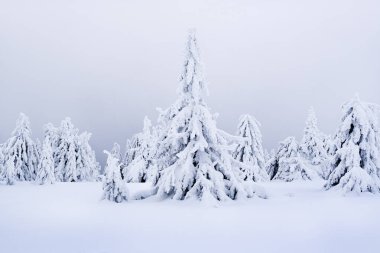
x=250 y=153
x=312 y=146
x=114 y=188
x=45 y=172
x=355 y=166
x=22 y=151
x=194 y=156
x=288 y=165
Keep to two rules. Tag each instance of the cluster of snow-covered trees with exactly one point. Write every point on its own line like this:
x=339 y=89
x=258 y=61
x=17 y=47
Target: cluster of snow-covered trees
x=64 y=156
x=186 y=156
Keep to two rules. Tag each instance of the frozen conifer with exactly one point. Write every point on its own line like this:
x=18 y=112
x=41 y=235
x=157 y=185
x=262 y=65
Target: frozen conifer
x=115 y=151
x=45 y=172
x=87 y=166
x=250 y=153
x=9 y=171
x=287 y=165
x=143 y=167
x=312 y=145
x=114 y=188
x=22 y=150
x=194 y=155
x=356 y=163
x=74 y=158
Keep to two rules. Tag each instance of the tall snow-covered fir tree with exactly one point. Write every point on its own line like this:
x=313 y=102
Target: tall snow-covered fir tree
x=356 y=163
x=143 y=167
x=312 y=145
x=45 y=172
x=114 y=188
x=287 y=165
x=22 y=150
x=194 y=155
x=251 y=152
x=73 y=156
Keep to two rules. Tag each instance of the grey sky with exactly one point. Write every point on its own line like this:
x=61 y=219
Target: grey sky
x=106 y=64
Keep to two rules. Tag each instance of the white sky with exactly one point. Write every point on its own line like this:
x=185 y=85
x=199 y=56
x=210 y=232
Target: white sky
x=107 y=64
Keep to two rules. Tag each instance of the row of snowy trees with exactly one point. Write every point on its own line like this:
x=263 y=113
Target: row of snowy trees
x=185 y=155
x=64 y=156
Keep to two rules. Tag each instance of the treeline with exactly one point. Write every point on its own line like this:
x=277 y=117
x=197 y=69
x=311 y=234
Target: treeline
x=64 y=156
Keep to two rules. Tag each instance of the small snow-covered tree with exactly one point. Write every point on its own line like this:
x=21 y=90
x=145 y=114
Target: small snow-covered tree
x=250 y=153
x=356 y=163
x=87 y=166
x=22 y=150
x=115 y=151
x=194 y=155
x=74 y=158
x=9 y=171
x=45 y=172
x=143 y=167
x=132 y=149
x=114 y=188
x=287 y=165
x=312 y=145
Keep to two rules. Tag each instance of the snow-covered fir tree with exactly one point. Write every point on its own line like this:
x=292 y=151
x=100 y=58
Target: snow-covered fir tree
x=143 y=167
x=52 y=133
x=194 y=155
x=87 y=166
x=356 y=163
x=9 y=171
x=250 y=153
x=22 y=150
x=114 y=188
x=73 y=156
x=312 y=145
x=287 y=165
x=115 y=151
x=132 y=149
x=45 y=172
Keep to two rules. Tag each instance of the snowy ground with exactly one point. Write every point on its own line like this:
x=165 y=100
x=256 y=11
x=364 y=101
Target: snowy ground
x=298 y=217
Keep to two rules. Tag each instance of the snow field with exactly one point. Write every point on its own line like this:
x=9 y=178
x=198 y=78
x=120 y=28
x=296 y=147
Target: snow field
x=297 y=217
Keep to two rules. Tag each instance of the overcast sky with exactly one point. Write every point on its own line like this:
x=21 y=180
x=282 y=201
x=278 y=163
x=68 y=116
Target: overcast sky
x=107 y=64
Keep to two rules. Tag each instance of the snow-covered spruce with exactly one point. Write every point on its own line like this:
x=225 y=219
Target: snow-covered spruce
x=132 y=149
x=45 y=172
x=115 y=151
x=143 y=167
x=355 y=166
x=288 y=165
x=9 y=171
x=194 y=155
x=250 y=153
x=22 y=151
x=73 y=156
x=114 y=188
x=312 y=145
